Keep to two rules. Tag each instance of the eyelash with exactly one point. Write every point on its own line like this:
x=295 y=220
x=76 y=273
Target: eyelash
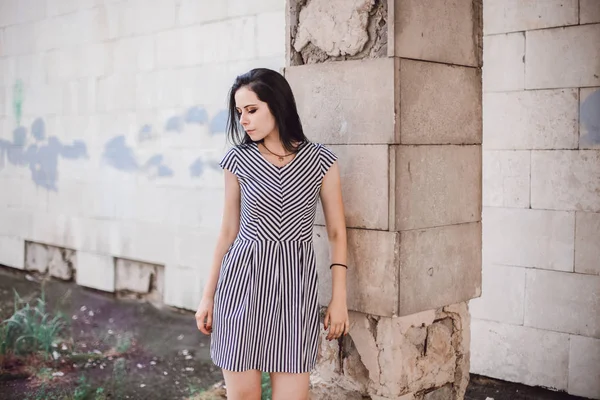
x=251 y=112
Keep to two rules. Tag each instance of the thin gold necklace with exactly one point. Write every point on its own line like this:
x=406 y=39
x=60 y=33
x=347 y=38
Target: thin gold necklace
x=281 y=157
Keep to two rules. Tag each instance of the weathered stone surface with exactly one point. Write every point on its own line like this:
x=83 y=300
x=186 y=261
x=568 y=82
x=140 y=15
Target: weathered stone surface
x=373 y=282
x=520 y=354
x=443 y=31
x=504 y=60
x=36 y=257
x=364 y=173
x=439 y=104
x=139 y=278
x=62 y=263
x=501 y=16
x=563 y=57
x=587 y=243
x=563 y=302
x=12 y=252
x=589 y=118
x=437 y=185
x=589 y=12
x=96 y=271
x=182 y=287
x=502 y=295
x=531 y=119
x=443 y=393
x=336 y=27
x=506 y=178
x=346 y=102
x=448 y=275
x=584 y=371
x=529 y=238
x=565 y=180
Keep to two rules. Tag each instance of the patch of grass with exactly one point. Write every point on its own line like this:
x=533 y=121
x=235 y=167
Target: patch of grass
x=266 y=386
x=30 y=329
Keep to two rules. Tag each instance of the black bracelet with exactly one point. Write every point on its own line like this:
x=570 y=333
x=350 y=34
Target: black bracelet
x=341 y=265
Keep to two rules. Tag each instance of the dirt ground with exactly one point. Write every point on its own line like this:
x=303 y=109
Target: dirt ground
x=132 y=350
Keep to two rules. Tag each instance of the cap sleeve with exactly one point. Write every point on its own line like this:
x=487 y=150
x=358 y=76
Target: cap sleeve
x=327 y=159
x=229 y=161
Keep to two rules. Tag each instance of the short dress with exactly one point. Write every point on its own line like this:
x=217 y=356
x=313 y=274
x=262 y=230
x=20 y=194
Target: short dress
x=266 y=313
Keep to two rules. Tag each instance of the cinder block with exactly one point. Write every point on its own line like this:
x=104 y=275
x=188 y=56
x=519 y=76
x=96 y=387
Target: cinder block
x=563 y=57
x=589 y=118
x=563 y=302
x=270 y=34
x=506 y=178
x=587 y=243
x=502 y=16
x=149 y=242
x=437 y=185
x=242 y=7
x=364 y=172
x=373 y=281
x=183 y=288
x=15 y=12
x=565 y=180
x=504 y=62
x=439 y=104
x=95 y=271
x=502 y=295
x=60 y=7
x=589 y=11
x=80 y=97
x=529 y=238
x=195 y=247
x=449 y=274
x=198 y=11
x=513 y=353
x=16 y=222
x=147 y=16
x=84 y=27
x=116 y=93
x=346 y=103
x=134 y=54
x=446 y=31
x=536 y=119
x=584 y=374
x=221 y=41
x=19 y=39
x=135 y=276
x=12 y=252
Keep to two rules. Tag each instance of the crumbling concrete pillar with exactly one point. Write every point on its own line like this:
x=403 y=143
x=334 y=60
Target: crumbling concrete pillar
x=394 y=88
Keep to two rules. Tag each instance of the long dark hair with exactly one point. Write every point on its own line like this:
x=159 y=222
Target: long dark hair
x=271 y=88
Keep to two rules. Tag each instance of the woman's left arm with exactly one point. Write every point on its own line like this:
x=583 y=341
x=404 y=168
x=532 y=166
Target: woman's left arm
x=336 y=318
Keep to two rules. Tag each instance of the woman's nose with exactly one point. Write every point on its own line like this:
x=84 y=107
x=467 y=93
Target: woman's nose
x=244 y=119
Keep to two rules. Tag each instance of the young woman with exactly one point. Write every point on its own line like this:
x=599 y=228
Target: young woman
x=260 y=302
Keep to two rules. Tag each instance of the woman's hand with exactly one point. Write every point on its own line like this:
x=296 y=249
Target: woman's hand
x=336 y=319
x=204 y=315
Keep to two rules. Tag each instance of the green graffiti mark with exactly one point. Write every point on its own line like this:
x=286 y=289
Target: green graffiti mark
x=18 y=100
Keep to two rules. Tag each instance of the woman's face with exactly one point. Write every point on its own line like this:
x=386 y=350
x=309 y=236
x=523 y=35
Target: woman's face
x=255 y=115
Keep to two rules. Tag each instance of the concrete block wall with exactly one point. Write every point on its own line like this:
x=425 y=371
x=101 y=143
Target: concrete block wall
x=111 y=127
x=537 y=321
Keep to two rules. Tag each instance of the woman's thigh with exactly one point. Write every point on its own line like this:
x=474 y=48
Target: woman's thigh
x=290 y=386
x=242 y=385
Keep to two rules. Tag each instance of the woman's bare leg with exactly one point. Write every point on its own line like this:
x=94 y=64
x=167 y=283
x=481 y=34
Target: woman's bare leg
x=242 y=385
x=290 y=386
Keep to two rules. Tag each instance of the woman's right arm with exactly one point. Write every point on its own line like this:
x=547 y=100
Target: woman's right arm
x=230 y=227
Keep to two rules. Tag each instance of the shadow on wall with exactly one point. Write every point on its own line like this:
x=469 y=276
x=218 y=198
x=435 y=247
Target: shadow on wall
x=120 y=156
x=590 y=118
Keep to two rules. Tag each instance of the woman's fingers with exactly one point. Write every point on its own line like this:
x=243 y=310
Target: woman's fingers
x=200 y=321
x=326 y=321
x=346 y=327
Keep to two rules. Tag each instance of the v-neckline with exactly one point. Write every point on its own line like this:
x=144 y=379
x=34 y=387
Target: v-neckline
x=283 y=167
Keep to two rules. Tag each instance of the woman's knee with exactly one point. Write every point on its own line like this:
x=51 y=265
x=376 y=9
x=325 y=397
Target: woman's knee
x=243 y=385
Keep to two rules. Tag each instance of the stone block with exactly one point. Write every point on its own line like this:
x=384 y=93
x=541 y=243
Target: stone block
x=141 y=17
x=199 y=11
x=502 y=16
x=506 y=178
x=19 y=39
x=134 y=54
x=589 y=11
x=364 y=172
x=589 y=118
x=242 y=7
x=372 y=257
x=563 y=57
x=62 y=263
x=532 y=119
x=439 y=104
x=443 y=31
x=12 y=252
x=565 y=180
x=529 y=238
x=135 y=276
x=95 y=271
x=60 y=7
x=116 y=93
x=584 y=371
x=183 y=289
x=221 y=40
x=195 y=247
x=587 y=243
x=80 y=97
x=151 y=242
x=270 y=35
x=563 y=302
x=351 y=102
x=13 y=12
x=502 y=295
x=448 y=275
x=504 y=62
x=513 y=353
x=36 y=257
x=437 y=185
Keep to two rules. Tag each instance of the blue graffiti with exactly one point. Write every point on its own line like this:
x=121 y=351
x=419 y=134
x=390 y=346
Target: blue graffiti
x=590 y=118
x=219 y=122
x=41 y=158
x=174 y=124
x=120 y=156
x=145 y=133
x=198 y=166
x=196 y=115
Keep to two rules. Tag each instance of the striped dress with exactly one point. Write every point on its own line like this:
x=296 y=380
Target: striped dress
x=266 y=313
